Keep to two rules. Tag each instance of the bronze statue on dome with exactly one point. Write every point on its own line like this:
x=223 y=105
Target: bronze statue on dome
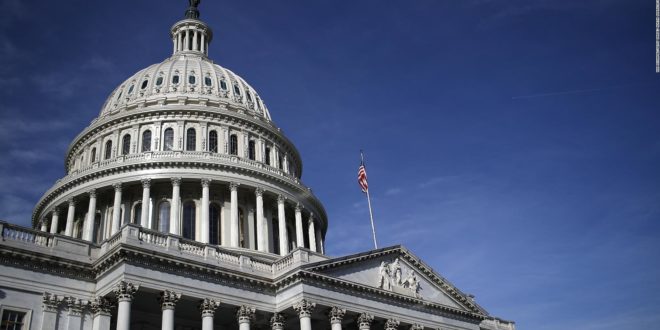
x=192 y=11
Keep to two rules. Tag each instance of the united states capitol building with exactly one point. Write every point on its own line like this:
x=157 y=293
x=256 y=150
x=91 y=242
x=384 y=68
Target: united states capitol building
x=182 y=207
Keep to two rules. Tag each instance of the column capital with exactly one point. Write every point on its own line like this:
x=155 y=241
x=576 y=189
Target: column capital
x=72 y=201
x=125 y=290
x=146 y=183
x=176 y=181
x=364 y=320
x=280 y=199
x=245 y=314
x=168 y=299
x=391 y=324
x=277 y=321
x=56 y=211
x=416 y=326
x=208 y=306
x=117 y=186
x=92 y=193
x=100 y=306
x=336 y=314
x=206 y=182
x=304 y=308
x=233 y=186
x=299 y=207
x=50 y=302
x=74 y=306
x=259 y=192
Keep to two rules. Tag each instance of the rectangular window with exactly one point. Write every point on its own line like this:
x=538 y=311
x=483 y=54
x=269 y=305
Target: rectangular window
x=12 y=320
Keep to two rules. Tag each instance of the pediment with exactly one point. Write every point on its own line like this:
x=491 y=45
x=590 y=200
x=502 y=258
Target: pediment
x=397 y=270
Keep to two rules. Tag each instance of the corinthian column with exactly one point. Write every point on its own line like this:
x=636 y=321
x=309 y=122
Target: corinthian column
x=124 y=292
x=88 y=233
x=208 y=307
x=116 y=209
x=244 y=315
x=100 y=307
x=144 y=210
x=391 y=324
x=311 y=233
x=281 y=220
x=304 y=309
x=233 y=187
x=416 y=326
x=277 y=322
x=70 y=214
x=168 y=300
x=50 y=303
x=205 y=210
x=74 y=309
x=55 y=221
x=336 y=315
x=174 y=211
x=300 y=240
x=364 y=321
x=261 y=242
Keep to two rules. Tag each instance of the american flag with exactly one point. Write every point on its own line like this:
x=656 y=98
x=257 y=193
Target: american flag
x=362 y=178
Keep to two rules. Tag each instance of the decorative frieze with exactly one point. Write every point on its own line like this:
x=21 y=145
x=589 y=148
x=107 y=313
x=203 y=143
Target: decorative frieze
x=391 y=324
x=168 y=299
x=277 y=321
x=125 y=290
x=304 y=308
x=336 y=314
x=50 y=302
x=101 y=306
x=245 y=314
x=208 y=306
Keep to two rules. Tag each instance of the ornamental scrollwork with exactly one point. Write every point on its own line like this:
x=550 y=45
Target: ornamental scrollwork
x=245 y=314
x=277 y=321
x=304 y=308
x=168 y=299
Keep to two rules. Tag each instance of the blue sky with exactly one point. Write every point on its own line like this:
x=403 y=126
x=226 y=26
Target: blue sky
x=513 y=145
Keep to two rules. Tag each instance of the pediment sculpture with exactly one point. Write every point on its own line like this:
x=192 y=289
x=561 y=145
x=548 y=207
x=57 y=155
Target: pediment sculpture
x=390 y=278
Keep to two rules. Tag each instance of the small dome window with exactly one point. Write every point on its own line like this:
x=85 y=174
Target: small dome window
x=175 y=79
x=130 y=89
x=119 y=95
x=237 y=90
x=249 y=96
x=144 y=84
x=259 y=103
x=208 y=81
x=159 y=81
x=192 y=79
x=223 y=85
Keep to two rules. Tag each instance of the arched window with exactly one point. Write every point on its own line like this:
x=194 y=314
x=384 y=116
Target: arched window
x=192 y=79
x=108 y=149
x=137 y=213
x=164 y=217
x=208 y=82
x=251 y=150
x=191 y=137
x=189 y=220
x=223 y=85
x=214 y=224
x=213 y=141
x=126 y=145
x=267 y=160
x=237 y=90
x=168 y=139
x=92 y=158
x=159 y=81
x=175 y=79
x=233 y=144
x=144 y=84
x=146 y=141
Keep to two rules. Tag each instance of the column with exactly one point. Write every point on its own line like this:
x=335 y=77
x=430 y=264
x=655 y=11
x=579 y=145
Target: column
x=364 y=321
x=391 y=324
x=208 y=307
x=261 y=242
x=100 y=307
x=116 y=209
x=277 y=322
x=203 y=50
x=88 y=233
x=336 y=315
x=144 y=213
x=195 y=46
x=44 y=225
x=311 y=233
x=300 y=239
x=124 y=292
x=168 y=300
x=205 y=210
x=55 y=221
x=179 y=44
x=233 y=187
x=245 y=314
x=281 y=222
x=186 y=42
x=319 y=241
x=70 y=215
x=50 y=303
x=74 y=313
x=174 y=208
x=304 y=309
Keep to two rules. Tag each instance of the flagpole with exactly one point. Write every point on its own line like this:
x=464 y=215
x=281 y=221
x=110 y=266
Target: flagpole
x=371 y=213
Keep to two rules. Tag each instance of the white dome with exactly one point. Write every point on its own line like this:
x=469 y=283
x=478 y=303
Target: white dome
x=188 y=76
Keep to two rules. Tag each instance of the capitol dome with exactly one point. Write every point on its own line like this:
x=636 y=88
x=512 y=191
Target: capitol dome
x=186 y=147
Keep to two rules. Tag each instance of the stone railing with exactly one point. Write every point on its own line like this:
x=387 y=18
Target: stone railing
x=26 y=235
x=153 y=237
